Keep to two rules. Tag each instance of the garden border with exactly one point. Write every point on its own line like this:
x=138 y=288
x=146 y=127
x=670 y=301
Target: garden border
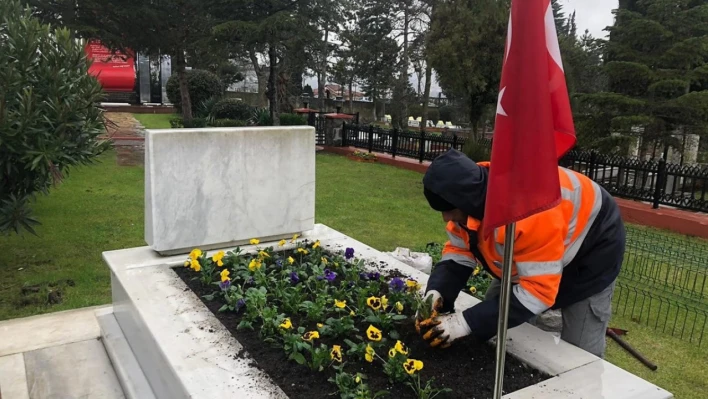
x=184 y=351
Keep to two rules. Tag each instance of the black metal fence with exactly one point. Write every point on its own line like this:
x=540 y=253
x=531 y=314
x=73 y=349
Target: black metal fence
x=664 y=283
x=658 y=182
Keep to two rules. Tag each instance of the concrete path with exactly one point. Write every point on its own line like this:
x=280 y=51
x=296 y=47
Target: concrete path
x=56 y=356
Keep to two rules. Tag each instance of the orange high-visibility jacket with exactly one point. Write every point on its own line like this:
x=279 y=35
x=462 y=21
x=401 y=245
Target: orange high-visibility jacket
x=545 y=243
x=565 y=254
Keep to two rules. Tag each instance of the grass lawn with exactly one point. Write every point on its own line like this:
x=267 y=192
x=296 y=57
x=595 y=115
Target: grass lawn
x=154 y=121
x=100 y=208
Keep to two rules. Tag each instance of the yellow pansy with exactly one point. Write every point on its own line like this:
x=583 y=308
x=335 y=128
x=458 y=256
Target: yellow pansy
x=384 y=302
x=291 y=260
x=286 y=324
x=218 y=258
x=399 y=307
x=392 y=352
x=352 y=313
x=316 y=244
x=336 y=353
x=295 y=236
x=357 y=379
x=476 y=271
x=225 y=275
x=401 y=348
x=374 y=302
x=324 y=260
x=412 y=365
x=369 y=356
x=340 y=304
x=281 y=243
x=187 y=263
x=302 y=251
x=373 y=333
x=196 y=252
x=254 y=265
x=320 y=325
x=473 y=290
x=195 y=265
x=412 y=285
x=310 y=335
x=255 y=241
x=263 y=254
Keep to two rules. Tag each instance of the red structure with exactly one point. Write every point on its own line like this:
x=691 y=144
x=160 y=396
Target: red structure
x=115 y=72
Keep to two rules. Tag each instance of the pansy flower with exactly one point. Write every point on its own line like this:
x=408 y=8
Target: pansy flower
x=336 y=353
x=263 y=254
x=473 y=290
x=412 y=284
x=286 y=324
x=384 y=302
x=254 y=265
x=224 y=285
x=255 y=241
x=316 y=244
x=295 y=236
x=374 y=302
x=397 y=284
x=373 y=333
x=392 y=352
x=324 y=260
x=310 y=335
x=279 y=263
x=340 y=304
x=399 y=307
x=476 y=271
x=401 y=348
x=369 y=356
x=224 y=275
x=218 y=258
x=329 y=275
x=281 y=243
x=412 y=365
x=241 y=303
x=194 y=264
x=196 y=252
x=374 y=275
x=303 y=251
x=294 y=278
x=291 y=260
x=349 y=253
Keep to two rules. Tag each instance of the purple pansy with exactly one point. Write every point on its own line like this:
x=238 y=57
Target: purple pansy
x=224 y=285
x=363 y=276
x=374 y=275
x=294 y=278
x=397 y=284
x=330 y=275
x=279 y=262
x=349 y=253
x=241 y=303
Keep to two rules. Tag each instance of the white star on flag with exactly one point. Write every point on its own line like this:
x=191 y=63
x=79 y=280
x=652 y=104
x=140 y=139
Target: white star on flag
x=500 y=109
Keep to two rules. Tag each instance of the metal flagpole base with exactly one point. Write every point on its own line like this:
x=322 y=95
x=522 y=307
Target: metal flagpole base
x=504 y=299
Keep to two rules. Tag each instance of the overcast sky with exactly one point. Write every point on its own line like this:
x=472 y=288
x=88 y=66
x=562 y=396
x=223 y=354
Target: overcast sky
x=593 y=15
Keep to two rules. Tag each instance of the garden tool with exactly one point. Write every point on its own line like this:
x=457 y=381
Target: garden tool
x=615 y=333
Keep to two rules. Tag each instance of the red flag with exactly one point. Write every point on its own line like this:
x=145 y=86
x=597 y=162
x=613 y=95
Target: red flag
x=534 y=124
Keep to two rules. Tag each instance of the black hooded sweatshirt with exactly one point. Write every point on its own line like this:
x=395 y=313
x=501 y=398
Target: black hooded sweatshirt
x=455 y=181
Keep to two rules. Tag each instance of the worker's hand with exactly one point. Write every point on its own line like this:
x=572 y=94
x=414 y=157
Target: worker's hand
x=436 y=305
x=445 y=329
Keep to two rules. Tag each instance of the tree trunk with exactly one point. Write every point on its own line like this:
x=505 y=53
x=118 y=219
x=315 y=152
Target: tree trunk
x=272 y=89
x=404 y=70
x=322 y=73
x=261 y=77
x=426 y=96
x=183 y=87
x=351 y=97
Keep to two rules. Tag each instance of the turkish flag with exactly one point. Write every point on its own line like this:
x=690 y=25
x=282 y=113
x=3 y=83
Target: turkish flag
x=534 y=123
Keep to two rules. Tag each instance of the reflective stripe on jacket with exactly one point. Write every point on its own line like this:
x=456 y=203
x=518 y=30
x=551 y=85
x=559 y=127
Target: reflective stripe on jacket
x=545 y=243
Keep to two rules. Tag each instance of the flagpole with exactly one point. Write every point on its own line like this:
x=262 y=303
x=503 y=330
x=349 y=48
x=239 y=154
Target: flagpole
x=504 y=299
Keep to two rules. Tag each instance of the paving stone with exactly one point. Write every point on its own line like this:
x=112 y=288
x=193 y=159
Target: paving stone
x=80 y=370
x=13 y=382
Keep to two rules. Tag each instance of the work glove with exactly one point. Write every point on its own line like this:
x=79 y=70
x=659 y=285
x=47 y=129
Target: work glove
x=445 y=329
x=436 y=305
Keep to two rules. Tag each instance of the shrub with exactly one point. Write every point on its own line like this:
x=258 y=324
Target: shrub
x=229 y=123
x=261 y=117
x=292 y=120
x=178 y=122
x=202 y=85
x=477 y=150
x=446 y=113
x=231 y=108
x=49 y=118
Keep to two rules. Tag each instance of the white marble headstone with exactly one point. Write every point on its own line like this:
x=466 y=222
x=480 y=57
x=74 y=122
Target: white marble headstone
x=218 y=187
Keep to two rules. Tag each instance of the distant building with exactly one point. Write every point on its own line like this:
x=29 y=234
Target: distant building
x=336 y=92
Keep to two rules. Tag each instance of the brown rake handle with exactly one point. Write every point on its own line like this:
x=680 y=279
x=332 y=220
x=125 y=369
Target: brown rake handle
x=631 y=350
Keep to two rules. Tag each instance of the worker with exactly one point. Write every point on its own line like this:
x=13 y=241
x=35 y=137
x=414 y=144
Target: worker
x=567 y=257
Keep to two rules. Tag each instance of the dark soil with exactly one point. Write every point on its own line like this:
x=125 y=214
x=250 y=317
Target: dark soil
x=467 y=367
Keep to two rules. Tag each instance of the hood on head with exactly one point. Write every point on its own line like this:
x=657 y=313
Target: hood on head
x=454 y=179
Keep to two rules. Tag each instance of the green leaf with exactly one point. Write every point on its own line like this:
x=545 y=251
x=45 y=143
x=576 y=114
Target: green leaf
x=244 y=324
x=224 y=308
x=298 y=357
x=398 y=317
x=209 y=297
x=394 y=335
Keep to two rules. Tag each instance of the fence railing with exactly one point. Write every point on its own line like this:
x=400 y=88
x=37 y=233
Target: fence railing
x=658 y=182
x=664 y=283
